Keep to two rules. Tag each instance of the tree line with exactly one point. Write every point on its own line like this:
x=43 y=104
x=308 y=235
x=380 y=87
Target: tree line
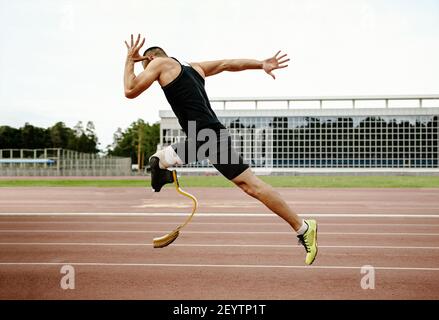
x=78 y=138
x=139 y=141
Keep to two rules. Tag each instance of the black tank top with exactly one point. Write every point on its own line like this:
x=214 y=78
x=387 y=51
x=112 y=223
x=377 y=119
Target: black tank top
x=189 y=101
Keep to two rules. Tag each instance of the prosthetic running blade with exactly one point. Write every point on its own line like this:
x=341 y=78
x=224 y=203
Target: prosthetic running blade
x=160 y=177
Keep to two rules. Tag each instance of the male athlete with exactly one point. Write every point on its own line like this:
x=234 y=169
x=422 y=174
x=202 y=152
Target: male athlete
x=183 y=86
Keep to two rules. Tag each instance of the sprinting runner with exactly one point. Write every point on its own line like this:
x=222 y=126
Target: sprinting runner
x=183 y=86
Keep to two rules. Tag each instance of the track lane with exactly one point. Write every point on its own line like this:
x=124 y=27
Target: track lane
x=123 y=265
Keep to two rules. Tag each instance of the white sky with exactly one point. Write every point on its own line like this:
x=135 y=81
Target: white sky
x=63 y=60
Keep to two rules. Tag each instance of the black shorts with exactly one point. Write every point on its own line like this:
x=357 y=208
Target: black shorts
x=215 y=145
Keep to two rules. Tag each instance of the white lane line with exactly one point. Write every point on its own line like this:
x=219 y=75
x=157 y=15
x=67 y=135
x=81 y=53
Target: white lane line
x=219 y=232
x=288 y=246
x=280 y=223
x=216 y=214
x=175 y=265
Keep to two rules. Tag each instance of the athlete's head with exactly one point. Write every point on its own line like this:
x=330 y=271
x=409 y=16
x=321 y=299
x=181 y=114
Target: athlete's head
x=152 y=53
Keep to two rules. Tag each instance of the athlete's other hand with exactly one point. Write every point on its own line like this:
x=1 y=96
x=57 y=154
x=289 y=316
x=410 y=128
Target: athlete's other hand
x=274 y=63
x=133 y=49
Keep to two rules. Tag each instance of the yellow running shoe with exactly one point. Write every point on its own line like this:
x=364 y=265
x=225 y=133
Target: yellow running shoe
x=309 y=241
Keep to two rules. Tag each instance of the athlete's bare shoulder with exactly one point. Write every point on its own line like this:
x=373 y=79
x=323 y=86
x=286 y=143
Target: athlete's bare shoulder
x=161 y=62
x=169 y=69
x=197 y=68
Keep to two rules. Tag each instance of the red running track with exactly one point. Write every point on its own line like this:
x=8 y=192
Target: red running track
x=220 y=255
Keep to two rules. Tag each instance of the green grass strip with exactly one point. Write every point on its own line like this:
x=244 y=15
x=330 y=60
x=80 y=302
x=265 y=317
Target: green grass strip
x=219 y=181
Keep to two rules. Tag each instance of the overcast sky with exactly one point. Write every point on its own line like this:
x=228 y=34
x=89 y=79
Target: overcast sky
x=63 y=60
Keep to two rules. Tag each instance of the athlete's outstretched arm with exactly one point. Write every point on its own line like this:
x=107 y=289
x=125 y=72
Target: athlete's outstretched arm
x=210 y=68
x=135 y=85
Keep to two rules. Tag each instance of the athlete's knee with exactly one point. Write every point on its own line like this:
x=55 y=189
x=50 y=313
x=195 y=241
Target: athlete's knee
x=254 y=188
x=168 y=157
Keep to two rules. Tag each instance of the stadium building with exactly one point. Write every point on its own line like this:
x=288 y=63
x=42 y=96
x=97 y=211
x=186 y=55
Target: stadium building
x=315 y=135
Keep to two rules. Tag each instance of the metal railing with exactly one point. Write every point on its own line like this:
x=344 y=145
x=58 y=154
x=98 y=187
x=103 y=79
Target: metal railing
x=60 y=162
x=387 y=99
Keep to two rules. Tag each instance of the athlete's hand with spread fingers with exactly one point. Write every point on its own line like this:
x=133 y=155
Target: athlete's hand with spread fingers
x=133 y=49
x=274 y=63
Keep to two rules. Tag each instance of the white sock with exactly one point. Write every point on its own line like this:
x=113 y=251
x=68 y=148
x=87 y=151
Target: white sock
x=168 y=157
x=303 y=228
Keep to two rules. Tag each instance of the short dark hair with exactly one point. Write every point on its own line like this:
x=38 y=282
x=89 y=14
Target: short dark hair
x=155 y=50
